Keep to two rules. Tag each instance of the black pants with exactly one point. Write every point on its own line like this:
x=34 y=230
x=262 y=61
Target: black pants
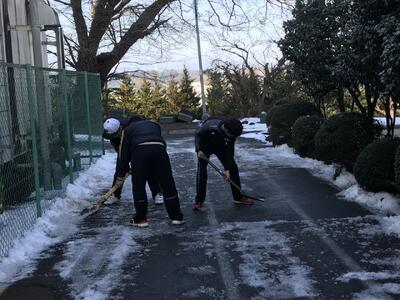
x=152 y=161
x=152 y=182
x=201 y=182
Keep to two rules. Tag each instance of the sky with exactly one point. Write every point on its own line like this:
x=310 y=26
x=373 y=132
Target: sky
x=258 y=32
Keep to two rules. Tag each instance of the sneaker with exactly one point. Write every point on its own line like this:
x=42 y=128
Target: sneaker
x=159 y=199
x=244 y=201
x=177 y=222
x=197 y=206
x=112 y=200
x=140 y=224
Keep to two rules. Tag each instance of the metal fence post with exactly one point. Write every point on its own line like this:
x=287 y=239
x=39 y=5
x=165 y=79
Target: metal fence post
x=63 y=81
x=28 y=72
x=88 y=117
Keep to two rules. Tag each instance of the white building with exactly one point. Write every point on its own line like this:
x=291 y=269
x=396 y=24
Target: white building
x=16 y=43
x=23 y=28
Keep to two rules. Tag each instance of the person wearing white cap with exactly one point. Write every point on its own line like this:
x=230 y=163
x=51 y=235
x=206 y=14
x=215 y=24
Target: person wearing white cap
x=112 y=132
x=143 y=147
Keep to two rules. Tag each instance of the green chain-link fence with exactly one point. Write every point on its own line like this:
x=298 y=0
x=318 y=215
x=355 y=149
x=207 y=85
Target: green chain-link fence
x=50 y=127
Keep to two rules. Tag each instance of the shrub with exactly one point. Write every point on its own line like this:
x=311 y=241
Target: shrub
x=272 y=109
x=397 y=168
x=303 y=133
x=374 y=167
x=284 y=117
x=342 y=137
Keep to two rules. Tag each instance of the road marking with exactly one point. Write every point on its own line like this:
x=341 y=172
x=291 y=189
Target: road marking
x=225 y=267
x=330 y=243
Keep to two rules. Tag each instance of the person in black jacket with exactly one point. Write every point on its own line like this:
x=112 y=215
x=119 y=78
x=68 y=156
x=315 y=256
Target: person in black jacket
x=143 y=146
x=217 y=136
x=112 y=132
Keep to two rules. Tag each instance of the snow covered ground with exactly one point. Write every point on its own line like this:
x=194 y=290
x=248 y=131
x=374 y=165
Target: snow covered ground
x=260 y=251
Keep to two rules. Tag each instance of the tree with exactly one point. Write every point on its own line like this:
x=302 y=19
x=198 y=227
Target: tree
x=171 y=93
x=125 y=96
x=98 y=46
x=144 y=95
x=105 y=30
x=309 y=45
x=217 y=101
x=158 y=104
x=186 y=98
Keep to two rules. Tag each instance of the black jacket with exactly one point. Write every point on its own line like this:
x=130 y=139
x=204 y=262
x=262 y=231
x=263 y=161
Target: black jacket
x=134 y=134
x=211 y=139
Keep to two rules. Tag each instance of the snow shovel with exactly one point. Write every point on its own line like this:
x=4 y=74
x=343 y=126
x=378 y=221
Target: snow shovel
x=230 y=180
x=92 y=209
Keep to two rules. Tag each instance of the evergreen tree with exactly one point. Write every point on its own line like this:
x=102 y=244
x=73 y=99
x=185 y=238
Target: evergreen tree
x=124 y=97
x=186 y=98
x=172 y=93
x=159 y=104
x=143 y=99
x=217 y=100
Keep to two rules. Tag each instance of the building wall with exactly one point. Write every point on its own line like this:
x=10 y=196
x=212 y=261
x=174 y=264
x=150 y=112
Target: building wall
x=13 y=91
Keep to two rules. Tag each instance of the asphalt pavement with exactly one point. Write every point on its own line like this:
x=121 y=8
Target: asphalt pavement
x=303 y=242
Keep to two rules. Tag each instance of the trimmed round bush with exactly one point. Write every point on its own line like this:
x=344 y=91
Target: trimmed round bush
x=342 y=137
x=303 y=132
x=284 y=117
x=374 y=167
x=272 y=109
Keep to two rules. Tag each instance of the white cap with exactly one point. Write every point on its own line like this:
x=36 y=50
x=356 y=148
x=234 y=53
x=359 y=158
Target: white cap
x=111 y=125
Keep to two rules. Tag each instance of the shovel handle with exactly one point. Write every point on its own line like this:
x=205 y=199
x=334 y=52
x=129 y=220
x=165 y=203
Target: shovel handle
x=107 y=195
x=202 y=156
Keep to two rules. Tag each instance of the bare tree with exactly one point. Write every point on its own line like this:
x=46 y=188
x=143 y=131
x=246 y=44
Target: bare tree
x=106 y=29
x=103 y=31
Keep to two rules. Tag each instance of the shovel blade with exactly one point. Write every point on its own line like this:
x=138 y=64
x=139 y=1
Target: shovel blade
x=254 y=198
x=90 y=210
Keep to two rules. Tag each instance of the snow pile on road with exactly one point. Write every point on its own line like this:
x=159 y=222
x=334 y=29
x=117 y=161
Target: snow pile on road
x=58 y=222
x=252 y=128
x=107 y=250
x=268 y=262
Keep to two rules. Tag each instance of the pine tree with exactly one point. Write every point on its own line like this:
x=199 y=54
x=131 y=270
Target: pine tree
x=186 y=98
x=157 y=105
x=172 y=93
x=216 y=94
x=126 y=95
x=143 y=98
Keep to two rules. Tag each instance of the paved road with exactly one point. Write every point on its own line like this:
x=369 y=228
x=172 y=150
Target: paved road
x=302 y=243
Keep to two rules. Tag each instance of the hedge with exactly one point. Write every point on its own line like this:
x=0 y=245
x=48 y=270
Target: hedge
x=303 y=133
x=342 y=137
x=284 y=117
x=374 y=167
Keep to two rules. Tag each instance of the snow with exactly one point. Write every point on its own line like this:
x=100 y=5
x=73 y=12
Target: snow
x=57 y=223
x=382 y=120
x=253 y=129
x=268 y=263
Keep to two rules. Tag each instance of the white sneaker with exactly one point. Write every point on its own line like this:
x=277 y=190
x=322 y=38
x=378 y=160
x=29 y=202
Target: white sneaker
x=159 y=199
x=177 y=222
x=112 y=200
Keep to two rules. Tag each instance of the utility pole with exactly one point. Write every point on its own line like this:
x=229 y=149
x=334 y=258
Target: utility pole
x=40 y=93
x=203 y=97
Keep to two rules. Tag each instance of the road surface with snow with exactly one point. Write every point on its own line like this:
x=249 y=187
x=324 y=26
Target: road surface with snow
x=304 y=242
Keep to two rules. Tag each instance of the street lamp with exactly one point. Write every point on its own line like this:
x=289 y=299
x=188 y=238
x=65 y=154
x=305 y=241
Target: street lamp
x=203 y=97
